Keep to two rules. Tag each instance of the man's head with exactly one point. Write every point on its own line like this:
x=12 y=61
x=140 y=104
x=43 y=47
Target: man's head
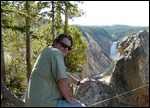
x=64 y=43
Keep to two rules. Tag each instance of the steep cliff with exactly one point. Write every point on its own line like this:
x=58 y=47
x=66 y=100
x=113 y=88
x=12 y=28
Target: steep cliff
x=99 y=43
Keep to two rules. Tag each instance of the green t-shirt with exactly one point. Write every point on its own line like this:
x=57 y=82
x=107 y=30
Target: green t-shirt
x=42 y=88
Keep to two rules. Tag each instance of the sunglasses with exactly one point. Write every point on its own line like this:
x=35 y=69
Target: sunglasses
x=64 y=45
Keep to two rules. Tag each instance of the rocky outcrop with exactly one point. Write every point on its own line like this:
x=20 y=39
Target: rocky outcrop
x=130 y=75
x=97 y=94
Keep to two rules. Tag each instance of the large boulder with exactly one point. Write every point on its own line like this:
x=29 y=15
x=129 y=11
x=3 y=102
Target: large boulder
x=130 y=76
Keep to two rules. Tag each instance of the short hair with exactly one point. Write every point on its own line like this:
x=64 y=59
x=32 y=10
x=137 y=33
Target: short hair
x=61 y=36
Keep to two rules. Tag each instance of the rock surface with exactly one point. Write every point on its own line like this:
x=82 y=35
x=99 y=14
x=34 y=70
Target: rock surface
x=96 y=92
x=131 y=71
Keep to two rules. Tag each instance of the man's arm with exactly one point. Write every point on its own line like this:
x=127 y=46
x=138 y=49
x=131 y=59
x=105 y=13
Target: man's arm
x=84 y=82
x=64 y=88
x=72 y=80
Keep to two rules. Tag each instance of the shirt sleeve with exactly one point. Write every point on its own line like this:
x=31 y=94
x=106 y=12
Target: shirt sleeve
x=58 y=66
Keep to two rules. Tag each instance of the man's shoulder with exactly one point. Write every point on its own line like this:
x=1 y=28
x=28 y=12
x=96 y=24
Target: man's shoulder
x=53 y=50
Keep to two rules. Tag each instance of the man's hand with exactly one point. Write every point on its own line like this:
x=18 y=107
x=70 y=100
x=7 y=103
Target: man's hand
x=73 y=101
x=85 y=81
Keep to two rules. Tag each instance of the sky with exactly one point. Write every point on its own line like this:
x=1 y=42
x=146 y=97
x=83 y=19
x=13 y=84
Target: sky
x=132 y=13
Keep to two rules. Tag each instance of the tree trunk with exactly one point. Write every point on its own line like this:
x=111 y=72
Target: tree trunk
x=6 y=94
x=2 y=59
x=53 y=20
x=66 y=19
x=28 y=43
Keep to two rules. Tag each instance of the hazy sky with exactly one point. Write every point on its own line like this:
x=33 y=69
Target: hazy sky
x=134 y=13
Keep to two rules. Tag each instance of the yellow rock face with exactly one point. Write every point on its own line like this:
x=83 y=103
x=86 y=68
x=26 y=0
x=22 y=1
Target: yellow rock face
x=120 y=50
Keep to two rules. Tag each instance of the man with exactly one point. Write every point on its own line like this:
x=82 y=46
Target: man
x=48 y=84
